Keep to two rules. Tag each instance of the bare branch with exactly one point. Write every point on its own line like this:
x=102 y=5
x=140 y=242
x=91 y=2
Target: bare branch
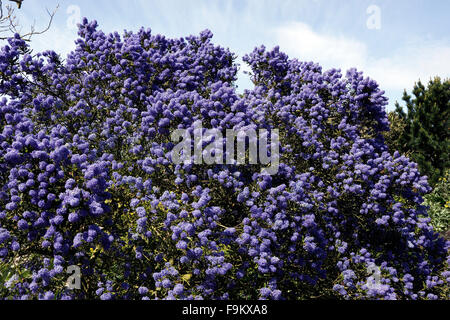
x=10 y=24
x=33 y=32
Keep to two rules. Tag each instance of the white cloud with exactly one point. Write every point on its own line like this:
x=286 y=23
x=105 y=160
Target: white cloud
x=299 y=40
x=409 y=64
x=60 y=40
x=395 y=71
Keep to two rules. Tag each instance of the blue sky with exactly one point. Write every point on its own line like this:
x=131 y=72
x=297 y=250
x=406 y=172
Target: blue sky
x=394 y=42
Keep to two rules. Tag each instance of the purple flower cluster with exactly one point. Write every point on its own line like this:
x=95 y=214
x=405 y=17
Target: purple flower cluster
x=87 y=179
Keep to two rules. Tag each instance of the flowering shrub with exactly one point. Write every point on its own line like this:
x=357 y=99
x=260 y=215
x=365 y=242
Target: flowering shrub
x=87 y=179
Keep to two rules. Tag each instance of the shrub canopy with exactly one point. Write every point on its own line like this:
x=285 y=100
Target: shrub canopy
x=87 y=179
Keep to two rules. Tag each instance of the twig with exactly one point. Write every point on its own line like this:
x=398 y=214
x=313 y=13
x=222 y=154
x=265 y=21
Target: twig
x=8 y=22
x=51 y=16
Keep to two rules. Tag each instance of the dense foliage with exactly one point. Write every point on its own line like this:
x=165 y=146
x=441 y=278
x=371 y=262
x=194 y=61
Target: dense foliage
x=396 y=129
x=426 y=132
x=87 y=179
x=439 y=202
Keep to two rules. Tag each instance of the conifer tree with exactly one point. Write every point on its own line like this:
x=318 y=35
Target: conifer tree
x=426 y=133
